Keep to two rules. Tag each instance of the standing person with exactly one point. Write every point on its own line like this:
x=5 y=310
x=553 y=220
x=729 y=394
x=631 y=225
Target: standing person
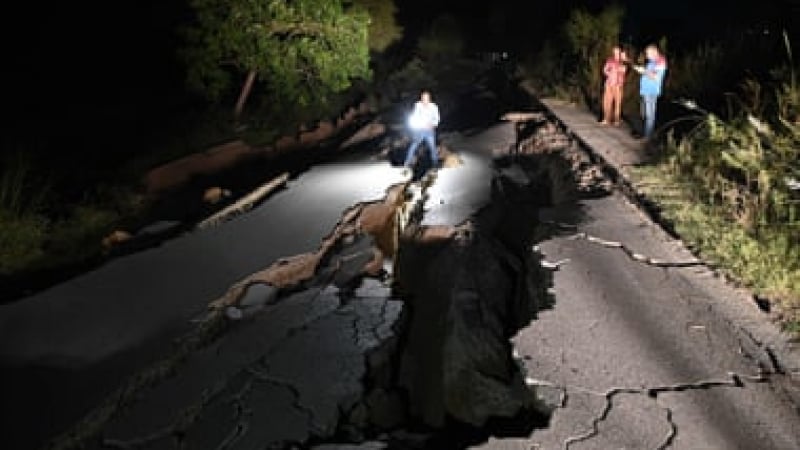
x=423 y=122
x=650 y=86
x=614 y=69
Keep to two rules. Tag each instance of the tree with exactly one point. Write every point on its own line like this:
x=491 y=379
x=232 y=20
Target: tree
x=302 y=50
x=383 y=28
x=591 y=37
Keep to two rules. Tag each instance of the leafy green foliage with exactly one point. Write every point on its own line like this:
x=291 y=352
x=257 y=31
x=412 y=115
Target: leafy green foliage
x=383 y=28
x=302 y=50
x=590 y=38
x=746 y=165
x=731 y=187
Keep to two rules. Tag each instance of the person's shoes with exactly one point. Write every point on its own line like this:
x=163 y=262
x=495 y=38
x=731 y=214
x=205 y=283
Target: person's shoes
x=604 y=122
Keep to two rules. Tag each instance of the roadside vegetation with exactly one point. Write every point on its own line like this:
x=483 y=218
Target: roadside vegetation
x=728 y=173
x=41 y=229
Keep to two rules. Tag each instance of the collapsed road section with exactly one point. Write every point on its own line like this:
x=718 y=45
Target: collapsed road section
x=394 y=332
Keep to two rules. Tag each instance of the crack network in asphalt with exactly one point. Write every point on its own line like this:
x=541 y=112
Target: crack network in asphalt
x=261 y=376
x=634 y=256
x=734 y=380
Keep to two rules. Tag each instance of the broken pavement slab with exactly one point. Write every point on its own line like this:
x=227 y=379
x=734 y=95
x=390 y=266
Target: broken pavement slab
x=648 y=350
x=283 y=377
x=67 y=348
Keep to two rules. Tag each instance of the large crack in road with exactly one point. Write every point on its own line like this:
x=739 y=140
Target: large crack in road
x=321 y=337
x=646 y=347
x=513 y=300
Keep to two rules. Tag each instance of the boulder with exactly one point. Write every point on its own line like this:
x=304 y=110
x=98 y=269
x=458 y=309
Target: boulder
x=214 y=195
x=115 y=238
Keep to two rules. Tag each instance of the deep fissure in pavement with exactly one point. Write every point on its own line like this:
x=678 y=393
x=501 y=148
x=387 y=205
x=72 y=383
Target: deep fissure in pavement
x=434 y=372
x=468 y=294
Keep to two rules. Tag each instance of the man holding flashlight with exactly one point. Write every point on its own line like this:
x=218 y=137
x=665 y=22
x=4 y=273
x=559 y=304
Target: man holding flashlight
x=423 y=122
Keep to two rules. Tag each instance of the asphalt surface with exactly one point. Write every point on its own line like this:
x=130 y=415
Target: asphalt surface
x=620 y=323
x=677 y=341
x=66 y=348
x=645 y=346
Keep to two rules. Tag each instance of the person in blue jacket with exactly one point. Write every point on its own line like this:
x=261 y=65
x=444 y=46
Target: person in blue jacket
x=650 y=86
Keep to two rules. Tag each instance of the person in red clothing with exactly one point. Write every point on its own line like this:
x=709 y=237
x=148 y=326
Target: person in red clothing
x=614 y=70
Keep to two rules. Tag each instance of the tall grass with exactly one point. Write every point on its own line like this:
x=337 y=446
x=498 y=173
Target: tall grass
x=739 y=181
x=33 y=236
x=23 y=229
x=20 y=191
x=748 y=165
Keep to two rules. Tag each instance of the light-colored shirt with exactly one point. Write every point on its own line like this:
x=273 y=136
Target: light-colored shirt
x=653 y=76
x=424 y=117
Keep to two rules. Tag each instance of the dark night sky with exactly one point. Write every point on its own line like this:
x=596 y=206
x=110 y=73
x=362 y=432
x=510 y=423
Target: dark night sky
x=95 y=53
x=127 y=44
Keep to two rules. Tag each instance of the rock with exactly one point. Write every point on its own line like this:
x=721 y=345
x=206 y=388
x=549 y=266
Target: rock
x=234 y=313
x=115 y=238
x=214 y=195
x=448 y=158
x=548 y=398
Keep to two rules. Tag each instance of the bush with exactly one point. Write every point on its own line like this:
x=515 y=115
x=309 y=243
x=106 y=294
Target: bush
x=78 y=237
x=33 y=235
x=738 y=179
x=747 y=165
x=590 y=38
x=22 y=239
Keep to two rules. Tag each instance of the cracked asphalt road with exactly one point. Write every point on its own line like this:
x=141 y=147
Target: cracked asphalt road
x=64 y=349
x=642 y=355
x=642 y=349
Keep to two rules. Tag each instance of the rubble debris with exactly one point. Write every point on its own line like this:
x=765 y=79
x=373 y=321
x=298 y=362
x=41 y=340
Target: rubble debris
x=246 y=202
